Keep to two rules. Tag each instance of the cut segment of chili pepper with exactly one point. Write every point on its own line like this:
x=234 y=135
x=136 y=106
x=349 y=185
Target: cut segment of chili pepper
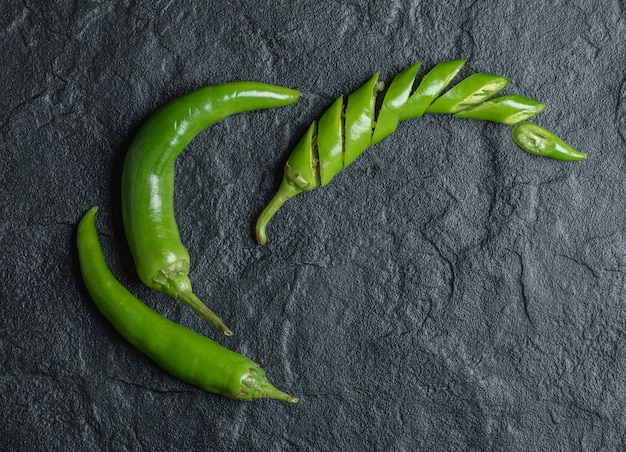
x=468 y=92
x=539 y=141
x=509 y=109
x=431 y=86
x=302 y=167
x=330 y=141
x=359 y=120
x=394 y=101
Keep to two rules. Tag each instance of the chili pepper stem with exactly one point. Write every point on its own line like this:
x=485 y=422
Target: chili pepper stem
x=286 y=191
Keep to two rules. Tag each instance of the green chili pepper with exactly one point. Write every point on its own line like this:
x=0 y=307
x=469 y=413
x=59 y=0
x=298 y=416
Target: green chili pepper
x=537 y=140
x=337 y=140
x=183 y=353
x=148 y=180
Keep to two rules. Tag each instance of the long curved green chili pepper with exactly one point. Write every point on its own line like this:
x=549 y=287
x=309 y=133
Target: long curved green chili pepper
x=537 y=140
x=349 y=127
x=161 y=260
x=183 y=353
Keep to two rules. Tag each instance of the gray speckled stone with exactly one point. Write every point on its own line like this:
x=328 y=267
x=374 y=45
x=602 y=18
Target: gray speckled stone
x=448 y=291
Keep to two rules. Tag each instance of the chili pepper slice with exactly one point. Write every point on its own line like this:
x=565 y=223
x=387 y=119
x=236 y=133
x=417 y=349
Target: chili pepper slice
x=180 y=351
x=395 y=99
x=330 y=141
x=302 y=167
x=359 y=121
x=509 y=109
x=161 y=259
x=468 y=92
x=431 y=86
x=539 y=141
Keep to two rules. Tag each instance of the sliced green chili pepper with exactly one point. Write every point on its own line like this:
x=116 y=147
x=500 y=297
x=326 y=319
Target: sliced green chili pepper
x=183 y=353
x=537 y=140
x=473 y=90
x=302 y=167
x=395 y=98
x=330 y=141
x=431 y=86
x=148 y=180
x=508 y=110
x=362 y=126
x=359 y=119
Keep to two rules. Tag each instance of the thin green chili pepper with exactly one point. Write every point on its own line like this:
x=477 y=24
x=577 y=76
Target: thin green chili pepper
x=537 y=140
x=183 y=353
x=161 y=260
x=316 y=159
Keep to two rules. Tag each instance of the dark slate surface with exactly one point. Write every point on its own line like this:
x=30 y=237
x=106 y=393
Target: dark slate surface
x=447 y=292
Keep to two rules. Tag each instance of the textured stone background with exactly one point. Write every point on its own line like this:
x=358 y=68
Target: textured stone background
x=446 y=292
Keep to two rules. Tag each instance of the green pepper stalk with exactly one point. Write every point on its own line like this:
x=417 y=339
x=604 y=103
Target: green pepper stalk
x=180 y=351
x=161 y=260
x=349 y=127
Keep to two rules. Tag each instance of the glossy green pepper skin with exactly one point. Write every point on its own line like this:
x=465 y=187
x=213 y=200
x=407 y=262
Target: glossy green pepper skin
x=431 y=86
x=507 y=110
x=359 y=120
x=336 y=140
x=393 y=103
x=161 y=259
x=183 y=353
x=330 y=142
x=469 y=92
x=539 y=141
